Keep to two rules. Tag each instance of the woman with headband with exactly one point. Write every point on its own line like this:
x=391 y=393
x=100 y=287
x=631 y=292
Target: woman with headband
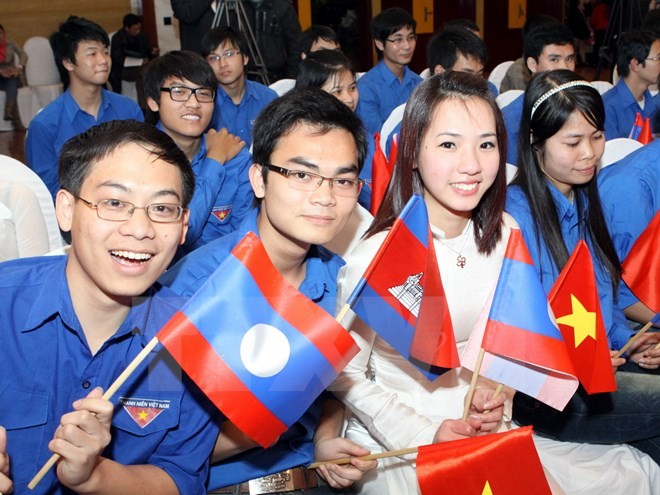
x=555 y=200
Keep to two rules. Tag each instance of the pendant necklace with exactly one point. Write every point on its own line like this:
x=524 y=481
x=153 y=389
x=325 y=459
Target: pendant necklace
x=461 y=261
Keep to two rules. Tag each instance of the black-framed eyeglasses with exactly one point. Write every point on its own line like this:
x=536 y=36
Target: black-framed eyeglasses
x=302 y=180
x=183 y=93
x=116 y=210
x=217 y=57
x=398 y=40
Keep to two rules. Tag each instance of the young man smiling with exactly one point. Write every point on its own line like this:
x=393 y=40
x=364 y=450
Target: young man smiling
x=180 y=88
x=81 y=53
x=124 y=197
x=390 y=82
x=238 y=100
x=308 y=151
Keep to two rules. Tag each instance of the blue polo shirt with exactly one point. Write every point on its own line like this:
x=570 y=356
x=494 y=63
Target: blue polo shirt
x=239 y=119
x=630 y=193
x=518 y=207
x=222 y=196
x=512 y=114
x=366 y=174
x=381 y=92
x=47 y=365
x=621 y=109
x=295 y=447
x=61 y=120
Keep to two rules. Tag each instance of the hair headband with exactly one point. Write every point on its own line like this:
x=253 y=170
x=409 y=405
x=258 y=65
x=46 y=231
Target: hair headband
x=555 y=90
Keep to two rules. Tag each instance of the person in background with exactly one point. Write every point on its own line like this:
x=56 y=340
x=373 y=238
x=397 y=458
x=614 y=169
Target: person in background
x=238 y=100
x=463 y=23
x=318 y=37
x=11 y=77
x=195 y=20
x=81 y=54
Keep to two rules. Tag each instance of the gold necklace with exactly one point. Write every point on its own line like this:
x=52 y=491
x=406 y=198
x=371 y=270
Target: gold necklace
x=461 y=260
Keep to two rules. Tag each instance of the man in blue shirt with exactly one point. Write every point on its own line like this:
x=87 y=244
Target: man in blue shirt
x=238 y=101
x=548 y=46
x=81 y=53
x=630 y=193
x=390 y=82
x=638 y=63
x=180 y=88
x=308 y=151
x=125 y=189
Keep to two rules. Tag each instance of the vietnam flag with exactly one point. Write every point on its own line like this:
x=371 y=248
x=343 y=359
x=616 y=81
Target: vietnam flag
x=575 y=303
x=641 y=268
x=381 y=171
x=645 y=135
x=496 y=464
x=259 y=349
x=521 y=330
x=400 y=295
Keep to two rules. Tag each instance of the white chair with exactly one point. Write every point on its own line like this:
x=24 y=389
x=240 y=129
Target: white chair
x=358 y=75
x=388 y=126
x=15 y=171
x=42 y=76
x=498 y=73
x=617 y=149
x=615 y=75
x=283 y=86
x=602 y=86
x=511 y=171
x=425 y=74
x=5 y=125
x=503 y=99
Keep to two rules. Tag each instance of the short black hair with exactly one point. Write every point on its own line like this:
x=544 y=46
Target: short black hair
x=66 y=39
x=81 y=152
x=445 y=47
x=303 y=106
x=321 y=65
x=389 y=21
x=633 y=45
x=463 y=23
x=545 y=34
x=314 y=33
x=131 y=20
x=220 y=35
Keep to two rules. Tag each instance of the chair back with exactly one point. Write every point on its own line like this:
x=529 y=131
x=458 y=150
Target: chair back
x=617 y=149
x=498 y=73
x=602 y=86
x=40 y=68
x=503 y=99
x=390 y=123
x=283 y=86
x=425 y=74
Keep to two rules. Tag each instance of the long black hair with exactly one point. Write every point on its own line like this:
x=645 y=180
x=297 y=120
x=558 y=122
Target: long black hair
x=549 y=117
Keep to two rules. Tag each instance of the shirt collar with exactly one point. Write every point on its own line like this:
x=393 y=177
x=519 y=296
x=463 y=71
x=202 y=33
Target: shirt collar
x=72 y=108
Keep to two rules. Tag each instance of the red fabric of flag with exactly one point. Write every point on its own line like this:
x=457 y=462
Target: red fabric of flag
x=575 y=303
x=381 y=171
x=500 y=463
x=645 y=135
x=641 y=268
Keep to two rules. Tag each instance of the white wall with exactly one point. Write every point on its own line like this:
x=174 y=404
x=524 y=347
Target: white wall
x=168 y=36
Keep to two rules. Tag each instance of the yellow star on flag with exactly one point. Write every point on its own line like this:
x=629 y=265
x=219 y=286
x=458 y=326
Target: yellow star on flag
x=487 y=490
x=582 y=321
x=143 y=415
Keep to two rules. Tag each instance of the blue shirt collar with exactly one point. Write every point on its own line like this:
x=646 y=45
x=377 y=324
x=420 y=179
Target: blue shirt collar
x=72 y=108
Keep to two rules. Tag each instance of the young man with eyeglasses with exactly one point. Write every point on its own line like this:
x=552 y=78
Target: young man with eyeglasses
x=308 y=151
x=181 y=88
x=238 y=100
x=71 y=324
x=638 y=63
x=81 y=53
x=390 y=82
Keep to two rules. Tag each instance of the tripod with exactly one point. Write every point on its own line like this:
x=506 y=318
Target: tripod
x=238 y=15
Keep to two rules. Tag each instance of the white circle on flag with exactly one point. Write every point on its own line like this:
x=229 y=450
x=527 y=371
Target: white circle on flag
x=265 y=350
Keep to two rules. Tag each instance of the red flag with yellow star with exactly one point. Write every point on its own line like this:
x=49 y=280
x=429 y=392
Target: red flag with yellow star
x=575 y=303
x=483 y=466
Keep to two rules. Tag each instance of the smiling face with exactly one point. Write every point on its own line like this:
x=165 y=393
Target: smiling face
x=458 y=159
x=570 y=156
x=401 y=49
x=291 y=217
x=119 y=260
x=92 y=66
x=182 y=120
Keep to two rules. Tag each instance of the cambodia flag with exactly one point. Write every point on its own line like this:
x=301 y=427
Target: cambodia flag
x=641 y=268
x=522 y=330
x=381 y=171
x=400 y=295
x=575 y=303
x=259 y=349
x=637 y=127
x=499 y=463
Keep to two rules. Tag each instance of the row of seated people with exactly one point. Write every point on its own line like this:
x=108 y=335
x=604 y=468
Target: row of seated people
x=298 y=131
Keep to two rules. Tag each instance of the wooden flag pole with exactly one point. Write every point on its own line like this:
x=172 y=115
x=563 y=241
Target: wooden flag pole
x=107 y=395
x=473 y=383
x=370 y=457
x=633 y=339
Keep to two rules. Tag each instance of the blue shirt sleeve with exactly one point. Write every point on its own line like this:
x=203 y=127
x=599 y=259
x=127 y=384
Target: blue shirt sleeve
x=209 y=178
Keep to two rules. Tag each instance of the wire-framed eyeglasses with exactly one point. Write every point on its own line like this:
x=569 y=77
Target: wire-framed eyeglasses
x=302 y=180
x=116 y=210
x=217 y=57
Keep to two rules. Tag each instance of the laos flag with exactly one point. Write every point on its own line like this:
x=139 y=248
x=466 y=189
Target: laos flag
x=400 y=295
x=259 y=349
x=522 y=332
